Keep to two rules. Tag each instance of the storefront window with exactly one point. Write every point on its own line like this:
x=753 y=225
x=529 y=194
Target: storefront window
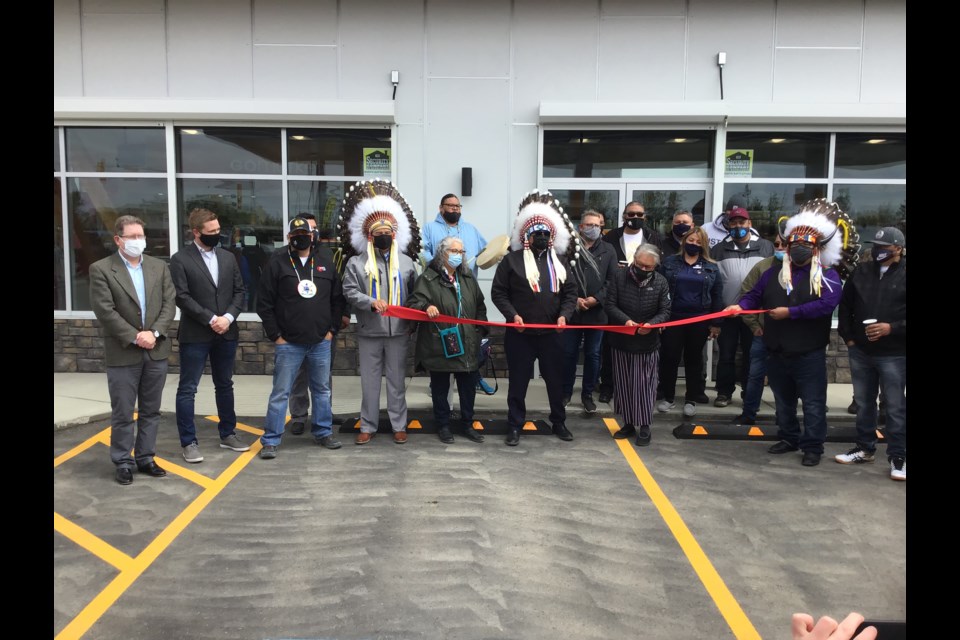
x=767 y=203
x=322 y=199
x=872 y=206
x=116 y=150
x=56 y=149
x=861 y=156
x=59 y=270
x=776 y=155
x=627 y=154
x=228 y=150
x=339 y=152
x=576 y=201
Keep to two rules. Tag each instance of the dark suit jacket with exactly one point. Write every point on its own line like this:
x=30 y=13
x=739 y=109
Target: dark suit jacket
x=115 y=303
x=615 y=237
x=200 y=299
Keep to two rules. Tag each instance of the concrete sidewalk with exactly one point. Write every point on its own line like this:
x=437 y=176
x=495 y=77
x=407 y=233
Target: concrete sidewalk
x=79 y=398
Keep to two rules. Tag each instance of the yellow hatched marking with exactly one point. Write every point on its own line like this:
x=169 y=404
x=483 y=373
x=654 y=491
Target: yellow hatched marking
x=699 y=431
x=754 y=431
x=242 y=427
x=729 y=608
x=187 y=474
x=83 y=538
x=103 y=437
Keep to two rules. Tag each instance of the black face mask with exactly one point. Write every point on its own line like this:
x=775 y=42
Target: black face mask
x=692 y=249
x=210 y=239
x=880 y=253
x=301 y=242
x=639 y=273
x=633 y=223
x=680 y=229
x=382 y=242
x=800 y=254
x=453 y=217
x=539 y=243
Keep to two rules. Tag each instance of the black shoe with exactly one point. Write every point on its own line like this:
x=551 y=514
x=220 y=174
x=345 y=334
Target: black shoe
x=296 y=428
x=328 y=442
x=472 y=434
x=810 y=459
x=124 y=475
x=721 y=401
x=513 y=438
x=627 y=431
x=702 y=399
x=853 y=408
x=643 y=436
x=742 y=419
x=588 y=404
x=606 y=395
x=782 y=447
x=562 y=432
x=445 y=436
x=566 y=400
x=151 y=469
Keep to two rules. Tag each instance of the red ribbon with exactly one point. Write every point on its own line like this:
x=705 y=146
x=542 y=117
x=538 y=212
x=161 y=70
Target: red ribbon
x=405 y=313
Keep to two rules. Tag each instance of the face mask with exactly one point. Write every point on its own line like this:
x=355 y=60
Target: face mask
x=680 y=229
x=455 y=260
x=739 y=233
x=633 y=223
x=210 y=240
x=301 y=242
x=591 y=233
x=691 y=249
x=539 y=243
x=382 y=242
x=134 y=248
x=880 y=253
x=640 y=274
x=800 y=254
x=453 y=217
x=778 y=254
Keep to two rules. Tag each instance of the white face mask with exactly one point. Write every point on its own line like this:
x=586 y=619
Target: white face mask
x=134 y=248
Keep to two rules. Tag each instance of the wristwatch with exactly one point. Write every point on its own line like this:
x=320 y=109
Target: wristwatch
x=156 y=334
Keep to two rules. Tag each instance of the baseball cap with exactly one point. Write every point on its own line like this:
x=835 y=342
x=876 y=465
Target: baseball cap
x=738 y=212
x=889 y=235
x=298 y=224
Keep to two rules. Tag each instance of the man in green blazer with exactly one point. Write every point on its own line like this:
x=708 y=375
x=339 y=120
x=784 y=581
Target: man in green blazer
x=134 y=299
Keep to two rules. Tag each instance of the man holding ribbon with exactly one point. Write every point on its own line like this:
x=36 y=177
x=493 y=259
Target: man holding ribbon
x=301 y=303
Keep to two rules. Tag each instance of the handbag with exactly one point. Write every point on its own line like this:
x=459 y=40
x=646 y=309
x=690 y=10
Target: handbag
x=450 y=337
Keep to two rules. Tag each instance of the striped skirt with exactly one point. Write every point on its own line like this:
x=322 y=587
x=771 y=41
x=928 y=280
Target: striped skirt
x=635 y=378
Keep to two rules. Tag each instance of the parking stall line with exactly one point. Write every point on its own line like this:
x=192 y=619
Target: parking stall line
x=729 y=608
x=98 y=547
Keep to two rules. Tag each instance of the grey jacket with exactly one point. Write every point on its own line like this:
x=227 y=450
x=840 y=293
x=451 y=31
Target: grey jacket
x=356 y=288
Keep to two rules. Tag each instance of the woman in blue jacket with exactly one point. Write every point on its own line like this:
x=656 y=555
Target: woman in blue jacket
x=696 y=288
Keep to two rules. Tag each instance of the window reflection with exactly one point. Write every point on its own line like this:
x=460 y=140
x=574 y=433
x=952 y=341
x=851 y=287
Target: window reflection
x=336 y=152
x=251 y=221
x=59 y=270
x=323 y=199
x=94 y=204
x=871 y=155
x=576 y=201
x=56 y=149
x=228 y=150
x=768 y=202
x=627 y=154
x=783 y=155
x=116 y=150
x=872 y=206
x=660 y=207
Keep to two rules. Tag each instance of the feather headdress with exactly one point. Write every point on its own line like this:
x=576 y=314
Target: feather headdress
x=831 y=232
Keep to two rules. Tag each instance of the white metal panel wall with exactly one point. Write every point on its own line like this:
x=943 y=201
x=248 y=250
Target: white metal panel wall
x=67 y=49
x=295 y=72
x=647 y=8
x=209 y=49
x=804 y=23
x=554 y=58
x=642 y=58
x=883 y=75
x=744 y=30
x=468 y=39
x=376 y=37
x=408 y=143
x=808 y=75
x=124 y=54
x=296 y=22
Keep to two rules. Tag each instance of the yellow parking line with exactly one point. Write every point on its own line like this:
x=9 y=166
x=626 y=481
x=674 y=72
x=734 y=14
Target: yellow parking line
x=101 y=437
x=243 y=427
x=187 y=474
x=729 y=608
x=105 y=599
x=90 y=542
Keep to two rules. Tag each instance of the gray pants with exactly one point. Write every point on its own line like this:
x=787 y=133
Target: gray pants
x=140 y=385
x=299 y=401
x=379 y=357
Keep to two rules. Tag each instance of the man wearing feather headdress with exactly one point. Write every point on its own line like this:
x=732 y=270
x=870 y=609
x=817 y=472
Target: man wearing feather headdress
x=534 y=284
x=377 y=224
x=800 y=294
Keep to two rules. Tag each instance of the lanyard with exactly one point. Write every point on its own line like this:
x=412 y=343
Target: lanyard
x=297 y=273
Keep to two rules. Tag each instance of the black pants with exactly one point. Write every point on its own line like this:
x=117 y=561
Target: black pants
x=686 y=340
x=733 y=335
x=606 y=367
x=522 y=349
x=440 y=387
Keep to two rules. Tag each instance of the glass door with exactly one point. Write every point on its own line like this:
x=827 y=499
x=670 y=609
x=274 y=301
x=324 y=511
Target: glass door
x=604 y=198
x=661 y=201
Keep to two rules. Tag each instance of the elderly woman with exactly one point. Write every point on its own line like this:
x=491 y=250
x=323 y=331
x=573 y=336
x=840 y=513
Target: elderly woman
x=448 y=287
x=637 y=296
x=696 y=289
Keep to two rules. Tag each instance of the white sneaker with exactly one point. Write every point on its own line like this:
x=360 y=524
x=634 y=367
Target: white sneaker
x=665 y=405
x=690 y=409
x=854 y=456
x=191 y=453
x=898 y=469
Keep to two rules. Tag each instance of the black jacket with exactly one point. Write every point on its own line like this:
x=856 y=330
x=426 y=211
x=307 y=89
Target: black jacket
x=285 y=313
x=650 y=236
x=200 y=299
x=867 y=295
x=512 y=295
x=711 y=293
x=626 y=300
x=596 y=281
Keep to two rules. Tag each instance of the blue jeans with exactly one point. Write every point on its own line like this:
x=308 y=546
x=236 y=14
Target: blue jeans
x=869 y=374
x=805 y=377
x=287 y=360
x=753 y=391
x=193 y=357
x=591 y=359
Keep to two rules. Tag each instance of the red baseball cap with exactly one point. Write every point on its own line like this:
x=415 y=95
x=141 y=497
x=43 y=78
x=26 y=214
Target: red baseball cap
x=738 y=212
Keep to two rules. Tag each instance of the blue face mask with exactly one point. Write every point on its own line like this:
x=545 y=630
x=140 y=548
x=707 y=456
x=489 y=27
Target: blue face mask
x=455 y=260
x=778 y=254
x=739 y=233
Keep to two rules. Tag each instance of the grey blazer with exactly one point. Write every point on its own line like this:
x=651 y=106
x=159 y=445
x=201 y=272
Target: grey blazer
x=115 y=303
x=200 y=299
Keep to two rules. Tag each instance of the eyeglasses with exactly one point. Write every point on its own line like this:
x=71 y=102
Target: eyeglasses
x=778 y=244
x=633 y=214
x=459 y=252
x=453 y=206
x=133 y=237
